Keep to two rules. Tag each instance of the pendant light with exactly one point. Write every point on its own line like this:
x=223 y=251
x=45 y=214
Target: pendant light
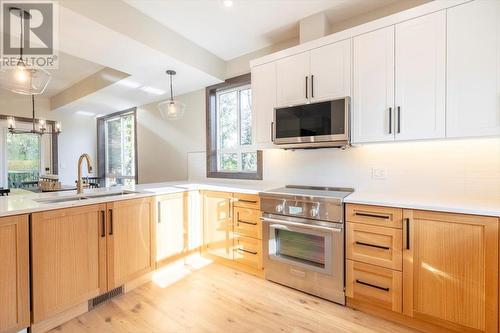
x=171 y=109
x=40 y=128
x=24 y=79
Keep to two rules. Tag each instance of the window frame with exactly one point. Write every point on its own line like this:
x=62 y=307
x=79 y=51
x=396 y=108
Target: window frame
x=102 y=147
x=212 y=160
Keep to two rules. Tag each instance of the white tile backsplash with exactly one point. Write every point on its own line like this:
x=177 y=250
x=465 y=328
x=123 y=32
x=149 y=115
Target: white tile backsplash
x=470 y=166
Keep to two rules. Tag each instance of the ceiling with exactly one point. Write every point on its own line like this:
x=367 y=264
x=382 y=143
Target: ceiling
x=248 y=25
x=71 y=70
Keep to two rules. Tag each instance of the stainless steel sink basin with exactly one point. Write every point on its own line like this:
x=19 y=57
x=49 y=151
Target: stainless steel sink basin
x=83 y=197
x=60 y=200
x=110 y=194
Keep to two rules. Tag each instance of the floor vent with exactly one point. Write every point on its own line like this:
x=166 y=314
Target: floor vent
x=105 y=297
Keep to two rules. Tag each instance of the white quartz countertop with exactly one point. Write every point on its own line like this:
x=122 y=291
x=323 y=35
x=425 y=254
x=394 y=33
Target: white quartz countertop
x=452 y=203
x=37 y=202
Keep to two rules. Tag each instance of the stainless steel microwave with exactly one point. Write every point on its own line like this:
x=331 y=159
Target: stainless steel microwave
x=323 y=124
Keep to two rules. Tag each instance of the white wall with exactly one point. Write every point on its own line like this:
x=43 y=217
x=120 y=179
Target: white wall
x=78 y=136
x=163 y=145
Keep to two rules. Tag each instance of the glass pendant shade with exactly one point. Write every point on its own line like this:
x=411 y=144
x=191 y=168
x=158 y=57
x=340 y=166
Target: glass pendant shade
x=172 y=109
x=24 y=79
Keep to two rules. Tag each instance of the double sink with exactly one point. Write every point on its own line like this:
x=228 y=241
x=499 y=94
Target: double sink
x=80 y=197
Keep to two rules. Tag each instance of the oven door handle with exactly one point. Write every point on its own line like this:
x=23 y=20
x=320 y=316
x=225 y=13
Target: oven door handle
x=283 y=225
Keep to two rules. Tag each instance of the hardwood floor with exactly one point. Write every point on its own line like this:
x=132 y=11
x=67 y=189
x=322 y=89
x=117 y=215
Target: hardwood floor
x=207 y=297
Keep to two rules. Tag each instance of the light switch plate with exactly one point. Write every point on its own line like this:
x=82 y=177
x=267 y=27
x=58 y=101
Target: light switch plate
x=379 y=173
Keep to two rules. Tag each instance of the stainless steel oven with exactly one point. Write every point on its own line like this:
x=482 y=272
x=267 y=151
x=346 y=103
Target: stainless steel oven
x=315 y=124
x=303 y=239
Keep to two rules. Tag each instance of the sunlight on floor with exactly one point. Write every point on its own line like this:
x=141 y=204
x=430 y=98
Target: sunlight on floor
x=178 y=270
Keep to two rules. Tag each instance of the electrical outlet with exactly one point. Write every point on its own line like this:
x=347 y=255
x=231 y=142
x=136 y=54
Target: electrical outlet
x=379 y=173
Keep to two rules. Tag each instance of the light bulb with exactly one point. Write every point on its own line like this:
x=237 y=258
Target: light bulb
x=21 y=74
x=41 y=123
x=11 y=123
x=172 y=109
x=58 y=127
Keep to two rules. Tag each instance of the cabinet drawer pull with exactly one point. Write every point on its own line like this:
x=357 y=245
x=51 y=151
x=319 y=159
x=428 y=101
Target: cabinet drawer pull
x=373 y=245
x=371 y=285
x=103 y=223
x=247 y=222
x=385 y=217
x=247 y=201
x=110 y=222
x=246 y=251
x=272 y=131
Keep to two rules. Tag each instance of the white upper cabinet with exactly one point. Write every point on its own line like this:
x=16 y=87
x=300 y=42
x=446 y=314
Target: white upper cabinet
x=373 y=86
x=330 y=72
x=292 y=79
x=421 y=77
x=263 y=102
x=473 y=76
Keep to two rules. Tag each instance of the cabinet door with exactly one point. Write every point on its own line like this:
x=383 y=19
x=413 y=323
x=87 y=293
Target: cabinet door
x=473 y=103
x=292 y=79
x=172 y=226
x=217 y=211
x=14 y=273
x=263 y=102
x=331 y=71
x=373 y=86
x=420 y=77
x=450 y=269
x=65 y=251
x=130 y=239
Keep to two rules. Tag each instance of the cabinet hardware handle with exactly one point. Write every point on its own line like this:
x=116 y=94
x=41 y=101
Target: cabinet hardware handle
x=371 y=285
x=399 y=119
x=272 y=131
x=110 y=222
x=373 y=245
x=230 y=208
x=312 y=86
x=247 y=201
x=246 y=251
x=247 y=222
x=390 y=120
x=372 y=215
x=103 y=223
x=407 y=222
x=307 y=83
x=159 y=212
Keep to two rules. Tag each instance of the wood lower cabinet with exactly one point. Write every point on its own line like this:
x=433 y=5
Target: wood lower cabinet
x=171 y=225
x=218 y=221
x=66 y=248
x=450 y=270
x=14 y=274
x=130 y=240
x=448 y=280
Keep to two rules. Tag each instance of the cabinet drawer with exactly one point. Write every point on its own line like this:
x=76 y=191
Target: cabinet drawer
x=248 y=251
x=376 y=285
x=244 y=200
x=376 y=215
x=247 y=222
x=375 y=245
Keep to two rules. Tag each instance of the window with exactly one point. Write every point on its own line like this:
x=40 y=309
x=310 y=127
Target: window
x=230 y=152
x=23 y=158
x=117 y=148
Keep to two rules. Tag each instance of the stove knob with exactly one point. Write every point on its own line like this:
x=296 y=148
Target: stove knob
x=279 y=209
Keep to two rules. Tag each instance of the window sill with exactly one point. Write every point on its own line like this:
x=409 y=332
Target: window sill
x=236 y=175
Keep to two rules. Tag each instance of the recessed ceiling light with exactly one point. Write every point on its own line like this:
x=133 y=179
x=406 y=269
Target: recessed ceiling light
x=228 y=3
